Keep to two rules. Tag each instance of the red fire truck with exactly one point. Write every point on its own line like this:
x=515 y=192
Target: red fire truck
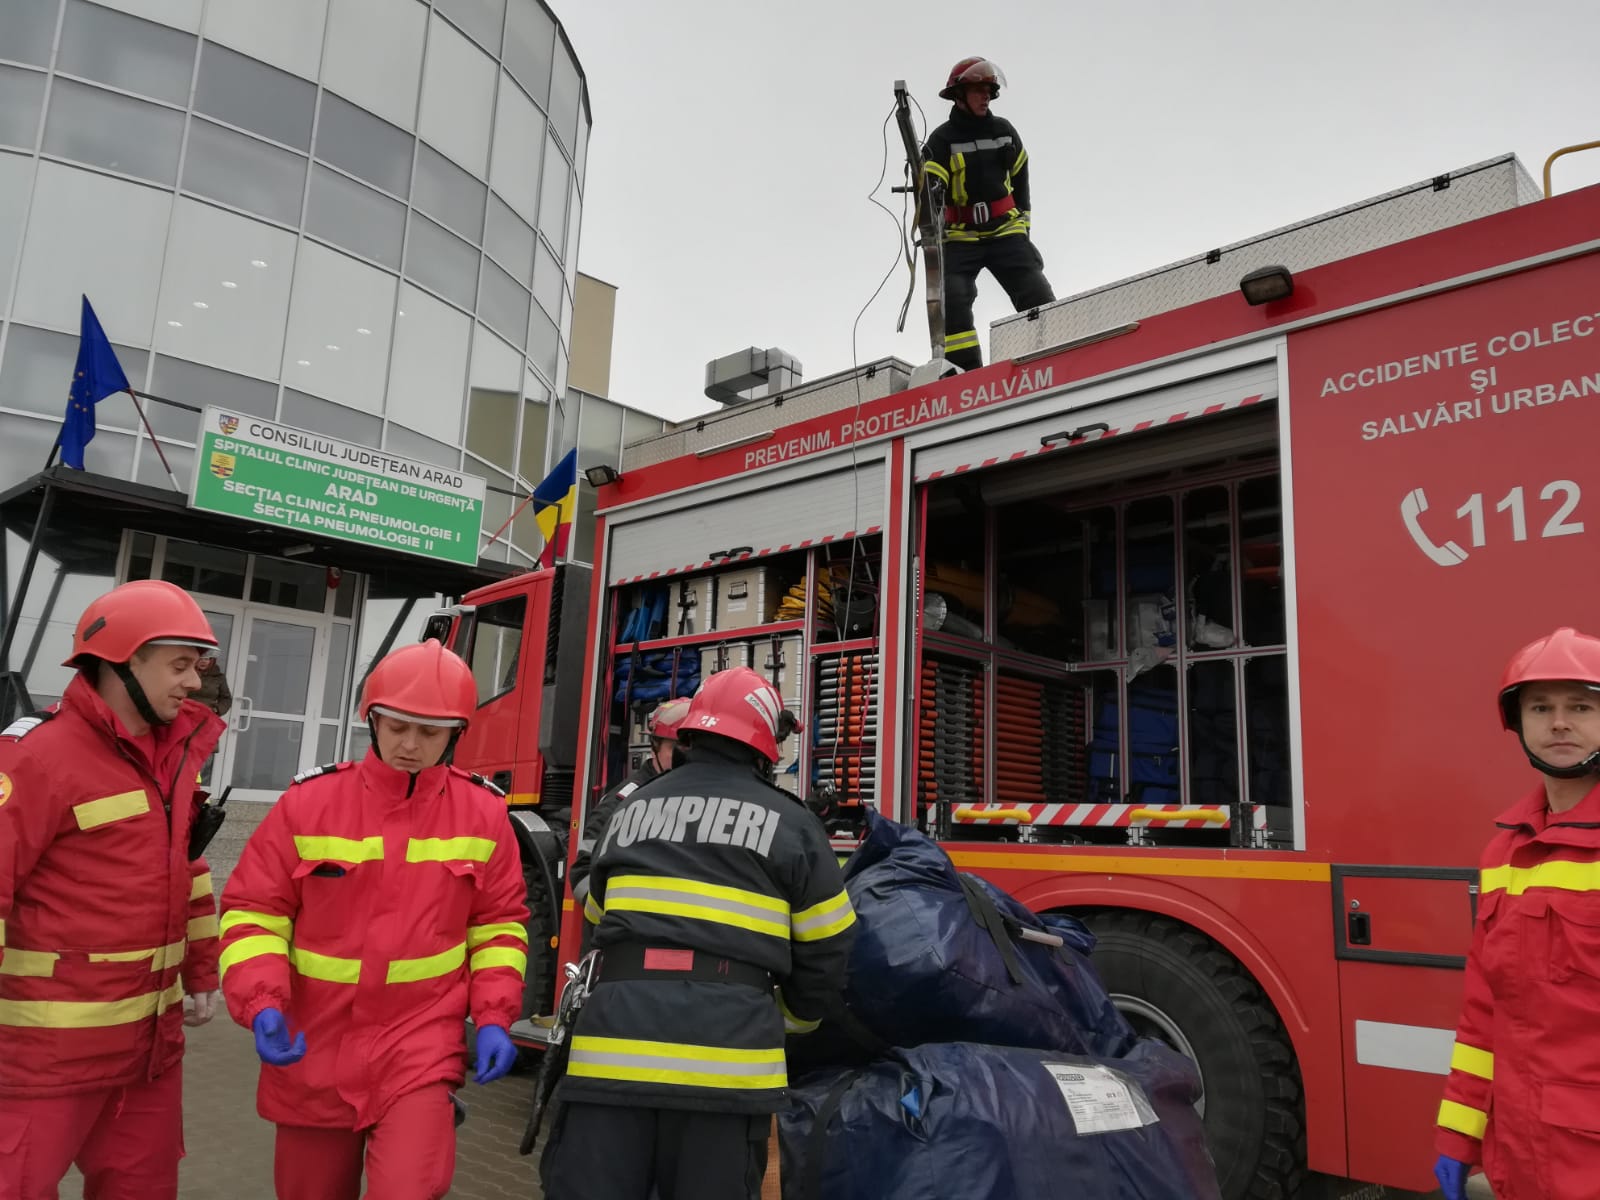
x=1186 y=616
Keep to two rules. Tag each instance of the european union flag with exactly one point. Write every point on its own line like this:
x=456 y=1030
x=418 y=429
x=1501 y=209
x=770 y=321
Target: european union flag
x=97 y=375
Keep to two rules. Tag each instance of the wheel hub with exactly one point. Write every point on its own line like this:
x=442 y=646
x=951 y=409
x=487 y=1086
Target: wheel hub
x=1150 y=1021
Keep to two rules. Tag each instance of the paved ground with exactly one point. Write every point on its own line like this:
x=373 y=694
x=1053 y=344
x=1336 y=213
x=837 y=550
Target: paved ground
x=230 y=1148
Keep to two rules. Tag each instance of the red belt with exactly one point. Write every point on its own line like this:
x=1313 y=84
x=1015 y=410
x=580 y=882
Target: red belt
x=980 y=213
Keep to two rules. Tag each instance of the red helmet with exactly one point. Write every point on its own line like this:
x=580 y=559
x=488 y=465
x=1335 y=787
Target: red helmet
x=425 y=683
x=1565 y=654
x=668 y=718
x=739 y=704
x=136 y=614
x=973 y=70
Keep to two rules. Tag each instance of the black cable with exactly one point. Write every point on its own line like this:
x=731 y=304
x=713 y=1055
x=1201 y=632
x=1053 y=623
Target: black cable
x=902 y=252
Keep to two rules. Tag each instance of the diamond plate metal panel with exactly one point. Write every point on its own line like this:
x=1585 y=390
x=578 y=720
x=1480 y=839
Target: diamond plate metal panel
x=831 y=393
x=1476 y=191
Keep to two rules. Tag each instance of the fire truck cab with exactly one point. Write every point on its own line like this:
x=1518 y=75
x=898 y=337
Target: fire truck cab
x=1185 y=615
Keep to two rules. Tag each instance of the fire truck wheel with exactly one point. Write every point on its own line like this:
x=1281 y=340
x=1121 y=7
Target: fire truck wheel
x=1177 y=985
x=544 y=928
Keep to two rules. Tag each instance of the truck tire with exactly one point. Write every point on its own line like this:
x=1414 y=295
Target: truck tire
x=544 y=930
x=1177 y=985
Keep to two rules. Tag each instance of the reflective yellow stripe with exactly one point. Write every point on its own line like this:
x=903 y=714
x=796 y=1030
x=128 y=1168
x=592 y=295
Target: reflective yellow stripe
x=958 y=180
x=161 y=957
x=350 y=850
x=251 y=947
x=235 y=917
x=679 y=1063
x=937 y=171
x=792 y=1023
x=693 y=887
x=473 y=849
x=87 y=1014
x=697 y=912
x=824 y=920
x=30 y=964
x=1459 y=1117
x=477 y=935
x=2 y=932
x=324 y=966
x=698 y=901
x=592 y=912
x=500 y=956
x=961 y=341
x=1473 y=1061
x=202 y=927
x=412 y=970
x=1564 y=876
x=1117 y=864
x=92 y=814
x=200 y=886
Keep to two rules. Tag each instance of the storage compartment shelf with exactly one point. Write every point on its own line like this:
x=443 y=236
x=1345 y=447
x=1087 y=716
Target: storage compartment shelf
x=750 y=634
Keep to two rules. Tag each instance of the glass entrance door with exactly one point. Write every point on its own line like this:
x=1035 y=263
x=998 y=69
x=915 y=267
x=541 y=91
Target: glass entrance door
x=277 y=681
x=227 y=623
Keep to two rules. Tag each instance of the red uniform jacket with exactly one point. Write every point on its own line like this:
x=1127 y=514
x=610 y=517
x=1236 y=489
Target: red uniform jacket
x=374 y=908
x=104 y=921
x=1523 y=1095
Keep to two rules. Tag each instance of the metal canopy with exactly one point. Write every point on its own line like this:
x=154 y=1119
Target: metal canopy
x=84 y=501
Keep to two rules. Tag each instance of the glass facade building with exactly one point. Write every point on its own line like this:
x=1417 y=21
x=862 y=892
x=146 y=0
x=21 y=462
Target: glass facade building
x=359 y=217
x=355 y=216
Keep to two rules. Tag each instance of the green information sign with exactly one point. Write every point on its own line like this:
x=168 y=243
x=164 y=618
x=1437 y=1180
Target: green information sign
x=317 y=485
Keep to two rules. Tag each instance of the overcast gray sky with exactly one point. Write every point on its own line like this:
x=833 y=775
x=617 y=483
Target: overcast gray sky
x=735 y=144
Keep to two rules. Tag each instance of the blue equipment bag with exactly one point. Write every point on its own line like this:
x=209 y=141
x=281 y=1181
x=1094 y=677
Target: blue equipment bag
x=944 y=957
x=999 y=1123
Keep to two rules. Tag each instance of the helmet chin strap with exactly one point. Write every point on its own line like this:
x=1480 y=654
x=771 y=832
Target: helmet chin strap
x=141 y=702
x=1589 y=766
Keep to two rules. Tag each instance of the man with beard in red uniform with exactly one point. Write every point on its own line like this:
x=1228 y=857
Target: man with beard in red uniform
x=378 y=905
x=105 y=923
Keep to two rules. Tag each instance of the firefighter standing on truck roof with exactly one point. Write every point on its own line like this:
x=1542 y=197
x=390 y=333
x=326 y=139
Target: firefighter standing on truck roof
x=665 y=753
x=710 y=887
x=981 y=170
x=1523 y=1095
x=376 y=906
x=105 y=923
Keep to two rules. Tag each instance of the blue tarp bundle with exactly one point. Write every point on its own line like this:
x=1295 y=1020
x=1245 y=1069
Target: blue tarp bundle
x=651 y=678
x=999 y=1123
x=926 y=968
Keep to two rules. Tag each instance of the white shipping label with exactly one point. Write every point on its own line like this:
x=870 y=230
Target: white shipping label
x=1099 y=1101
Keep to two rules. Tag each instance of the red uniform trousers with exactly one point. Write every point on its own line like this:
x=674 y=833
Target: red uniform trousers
x=410 y=1154
x=126 y=1140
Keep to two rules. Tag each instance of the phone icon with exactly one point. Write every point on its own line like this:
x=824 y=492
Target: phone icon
x=1411 y=508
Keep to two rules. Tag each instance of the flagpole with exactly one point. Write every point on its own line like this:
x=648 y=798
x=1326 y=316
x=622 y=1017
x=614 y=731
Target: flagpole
x=139 y=408
x=14 y=609
x=517 y=512
x=14 y=603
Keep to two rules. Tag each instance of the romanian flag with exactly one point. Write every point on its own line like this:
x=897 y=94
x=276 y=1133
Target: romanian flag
x=555 y=504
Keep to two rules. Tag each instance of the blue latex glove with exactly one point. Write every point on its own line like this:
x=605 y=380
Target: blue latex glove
x=1452 y=1177
x=272 y=1039
x=496 y=1053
